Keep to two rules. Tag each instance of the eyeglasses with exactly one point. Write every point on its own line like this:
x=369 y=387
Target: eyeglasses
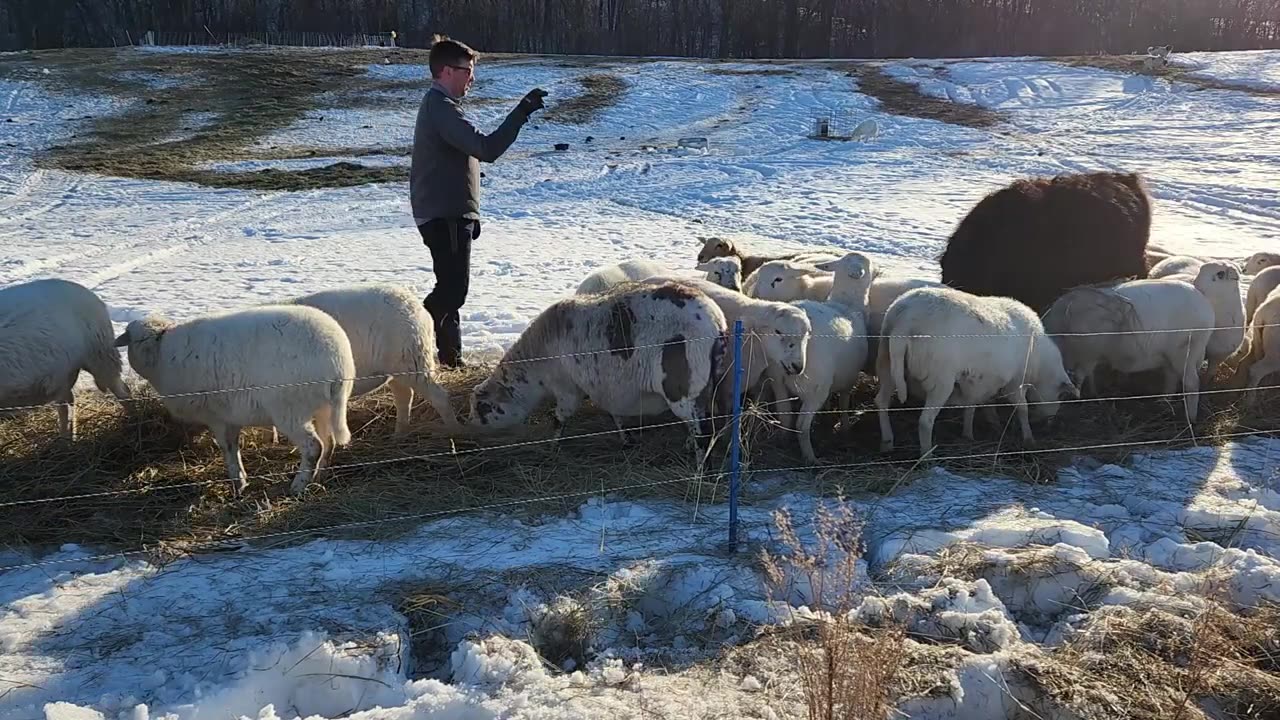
x=467 y=68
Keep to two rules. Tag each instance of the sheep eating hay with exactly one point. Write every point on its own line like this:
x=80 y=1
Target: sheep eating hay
x=1037 y=238
x=636 y=350
x=285 y=366
x=50 y=330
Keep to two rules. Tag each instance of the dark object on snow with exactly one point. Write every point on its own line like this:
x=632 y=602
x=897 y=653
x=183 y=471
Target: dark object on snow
x=562 y=146
x=589 y=139
x=1037 y=238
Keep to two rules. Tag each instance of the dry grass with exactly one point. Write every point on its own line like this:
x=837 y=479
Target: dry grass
x=161 y=488
x=1149 y=664
x=1133 y=64
x=903 y=98
x=600 y=91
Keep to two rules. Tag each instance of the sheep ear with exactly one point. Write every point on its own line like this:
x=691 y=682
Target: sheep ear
x=827 y=266
x=123 y=340
x=704 y=267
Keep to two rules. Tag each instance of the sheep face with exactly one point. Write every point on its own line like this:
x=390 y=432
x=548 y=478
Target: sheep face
x=789 y=340
x=723 y=271
x=855 y=266
x=1052 y=384
x=1218 y=279
x=1258 y=262
x=716 y=247
x=502 y=400
x=142 y=337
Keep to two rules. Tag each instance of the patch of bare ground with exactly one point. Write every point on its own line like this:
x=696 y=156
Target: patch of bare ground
x=900 y=97
x=600 y=91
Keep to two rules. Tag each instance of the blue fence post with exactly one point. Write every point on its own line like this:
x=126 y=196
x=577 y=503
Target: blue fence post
x=735 y=432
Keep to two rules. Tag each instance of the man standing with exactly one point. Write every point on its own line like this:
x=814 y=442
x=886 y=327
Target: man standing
x=444 y=183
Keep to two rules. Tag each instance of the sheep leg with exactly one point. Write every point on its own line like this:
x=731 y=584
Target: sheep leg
x=228 y=438
x=402 y=393
x=1191 y=391
x=967 y=433
x=809 y=406
x=66 y=414
x=323 y=420
x=1020 y=406
x=781 y=396
x=990 y=416
x=310 y=448
x=884 y=395
x=1257 y=373
x=566 y=406
x=935 y=398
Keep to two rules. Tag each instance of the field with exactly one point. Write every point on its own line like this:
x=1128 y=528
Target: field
x=1127 y=566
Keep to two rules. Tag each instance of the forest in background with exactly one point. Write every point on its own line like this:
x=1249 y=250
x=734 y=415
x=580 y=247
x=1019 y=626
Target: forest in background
x=697 y=28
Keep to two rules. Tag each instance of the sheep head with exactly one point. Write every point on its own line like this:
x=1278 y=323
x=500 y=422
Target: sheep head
x=142 y=337
x=1218 y=279
x=1258 y=262
x=785 y=336
x=714 y=247
x=723 y=271
x=503 y=399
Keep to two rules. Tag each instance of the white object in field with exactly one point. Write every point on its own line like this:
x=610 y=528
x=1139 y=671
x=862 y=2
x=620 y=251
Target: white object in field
x=866 y=130
x=695 y=143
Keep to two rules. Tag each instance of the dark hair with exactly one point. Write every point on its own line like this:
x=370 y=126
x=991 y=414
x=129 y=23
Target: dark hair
x=446 y=52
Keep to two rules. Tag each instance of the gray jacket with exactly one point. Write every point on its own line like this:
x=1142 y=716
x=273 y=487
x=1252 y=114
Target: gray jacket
x=444 y=174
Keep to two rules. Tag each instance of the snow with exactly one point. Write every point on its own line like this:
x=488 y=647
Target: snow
x=312 y=630
x=1248 y=68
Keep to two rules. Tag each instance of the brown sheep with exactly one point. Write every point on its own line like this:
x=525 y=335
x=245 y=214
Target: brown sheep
x=1037 y=238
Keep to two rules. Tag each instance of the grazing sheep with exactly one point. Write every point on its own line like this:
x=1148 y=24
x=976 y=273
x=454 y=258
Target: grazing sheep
x=1261 y=356
x=274 y=365
x=392 y=337
x=882 y=294
x=1134 y=327
x=606 y=277
x=837 y=349
x=1260 y=289
x=1258 y=262
x=1219 y=282
x=788 y=280
x=1013 y=358
x=636 y=350
x=723 y=271
x=1037 y=238
x=50 y=330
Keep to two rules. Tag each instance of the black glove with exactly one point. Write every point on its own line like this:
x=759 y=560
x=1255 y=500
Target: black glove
x=532 y=102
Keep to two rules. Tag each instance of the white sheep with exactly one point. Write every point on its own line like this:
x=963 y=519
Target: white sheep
x=1259 y=289
x=50 y=330
x=837 y=349
x=285 y=366
x=1219 y=282
x=1175 y=265
x=788 y=280
x=635 y=350
x=606 y=277
x=774 y=333
x=393 y=338
x=1155 y=255
x=883 y=292
x=976 y=349
x=723 y=271
x=1134 y=327
x=715 y=247
x=1261 y=355
x=1258 y=262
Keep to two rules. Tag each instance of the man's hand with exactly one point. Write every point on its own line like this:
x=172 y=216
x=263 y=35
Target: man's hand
x=533 y=101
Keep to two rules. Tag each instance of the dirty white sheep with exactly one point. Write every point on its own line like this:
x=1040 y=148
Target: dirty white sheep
x=606 y=277
x=1261 y=349
x=285 y=366
x=723 y=271
x=635 y=351
x=393 y=342
x=1133 y=327
x=1260 y=288
x=715 y=247
x=979 y=349
x=50 y=330
x=1219 y=282
x=884 y=291
x=1258 y=262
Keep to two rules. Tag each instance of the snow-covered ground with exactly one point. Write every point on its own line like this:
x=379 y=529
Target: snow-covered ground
x=313 y=630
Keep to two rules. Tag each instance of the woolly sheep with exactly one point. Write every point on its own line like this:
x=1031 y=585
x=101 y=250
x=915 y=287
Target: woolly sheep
x=50 y=330
x=1258 y=262
x=635 y=350
x=1176 y=265
x=606 y=277
x=1094 y=325
x=714 y=247
x=1013 y=359
x=723 y=271
x=787 y=280
x=1037 y=238
x=1261 y=356
x=837 y=350
x=274 y=365
x=1219 y=282
x=882 y=294
x=1260 y=288
x=1154 y=254
x=393 y=338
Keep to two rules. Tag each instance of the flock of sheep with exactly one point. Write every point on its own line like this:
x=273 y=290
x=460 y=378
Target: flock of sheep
x=1043 y=282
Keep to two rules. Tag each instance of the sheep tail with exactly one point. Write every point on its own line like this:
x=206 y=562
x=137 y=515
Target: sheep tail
x=339 y=394
x=897 y=349
x=104 y=364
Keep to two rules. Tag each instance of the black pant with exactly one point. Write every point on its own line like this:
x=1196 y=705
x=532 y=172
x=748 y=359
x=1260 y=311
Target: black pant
x=450 y=244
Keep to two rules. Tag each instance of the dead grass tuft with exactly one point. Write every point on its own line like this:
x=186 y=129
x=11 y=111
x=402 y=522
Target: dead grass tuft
x=903 y=98
x=600 y=91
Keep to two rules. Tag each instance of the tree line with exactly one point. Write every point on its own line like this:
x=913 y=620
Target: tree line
x=699 y=28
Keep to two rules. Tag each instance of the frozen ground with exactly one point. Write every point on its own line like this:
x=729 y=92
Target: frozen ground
x=313 y=630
